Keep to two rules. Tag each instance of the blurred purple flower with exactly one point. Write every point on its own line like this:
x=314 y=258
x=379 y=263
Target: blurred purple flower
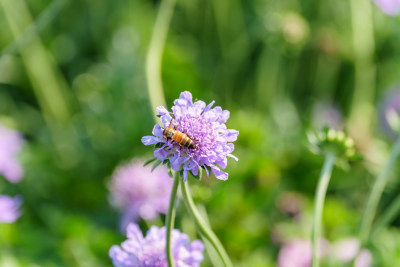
x=206 y=126
x=10 y=144
x=149 y=251
x=390 y=7
x=9 y=208
x=139 y=192
x=390 y=106
x=298 y=253
x=325 y=114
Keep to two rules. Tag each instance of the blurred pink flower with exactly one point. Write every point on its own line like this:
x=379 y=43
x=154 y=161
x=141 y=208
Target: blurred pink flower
x=9 y=208
x=139 y=192
x=10 y=144
x=347 y=249
x=298 y=253
x=390 y=7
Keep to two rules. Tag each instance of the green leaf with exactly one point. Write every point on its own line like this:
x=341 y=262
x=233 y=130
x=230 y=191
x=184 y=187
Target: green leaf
x=155 y=165
x=149 y=161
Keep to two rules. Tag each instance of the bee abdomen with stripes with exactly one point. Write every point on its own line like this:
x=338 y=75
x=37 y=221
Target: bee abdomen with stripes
x=179 y=137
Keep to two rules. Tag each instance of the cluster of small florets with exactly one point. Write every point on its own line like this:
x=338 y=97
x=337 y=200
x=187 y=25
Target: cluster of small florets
x=333 y=141
x=149 y=250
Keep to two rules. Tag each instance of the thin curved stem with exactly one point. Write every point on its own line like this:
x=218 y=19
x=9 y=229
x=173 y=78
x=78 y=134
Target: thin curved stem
x=319 y=205
x=154 y=54
x=201 y=226
x=376 y=193
x=387 y=217
x=170 y=219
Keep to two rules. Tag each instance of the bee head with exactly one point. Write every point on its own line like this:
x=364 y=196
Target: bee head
x=169 y=132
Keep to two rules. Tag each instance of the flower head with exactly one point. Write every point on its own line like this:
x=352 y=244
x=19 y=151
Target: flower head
x=331 y=141
x=149 y=250
x=205 y=126
x=139 y=192
x=9 y=208
x=10 y=144
x=390 y=7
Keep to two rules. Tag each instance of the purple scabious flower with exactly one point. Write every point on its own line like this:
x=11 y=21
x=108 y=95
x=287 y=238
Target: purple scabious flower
x=389 y=7
x=149 y=251
x=205 y=126
x=10 y=144
x=9 y=208
x=140 y=192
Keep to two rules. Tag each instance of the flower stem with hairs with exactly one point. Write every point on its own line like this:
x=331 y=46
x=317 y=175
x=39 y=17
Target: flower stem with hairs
x=202 y=226
x=376 y=193
x=319 y=204
x=171 y=218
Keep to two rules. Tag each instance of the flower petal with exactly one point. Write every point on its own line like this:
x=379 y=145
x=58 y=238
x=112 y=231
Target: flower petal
x=187 y=96
x=133 y=232
x=161 y=110
x=150 y=140
x=157 y=130
x=218 y=173
x=166 y=119
x=209 y=106
x=231 y=135
x=161 y=153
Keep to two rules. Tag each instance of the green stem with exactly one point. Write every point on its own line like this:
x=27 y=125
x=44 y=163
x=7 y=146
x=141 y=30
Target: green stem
x=202 y=227
x=319 y=205
x=376 y=193
x=387 y=217
x=362 y=108
x=171 y=218
x=154 y=55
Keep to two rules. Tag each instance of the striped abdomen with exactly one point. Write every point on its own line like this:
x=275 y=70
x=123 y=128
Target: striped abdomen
x=179 y=137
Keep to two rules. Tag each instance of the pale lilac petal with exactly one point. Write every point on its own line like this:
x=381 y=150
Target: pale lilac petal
x=218 y=173
x=166 y=119
x=150 y=140
x=157 y=130
x=208 y=107
x=231 y=135
x=187 y=96
x=162 y=110
x=162 y=154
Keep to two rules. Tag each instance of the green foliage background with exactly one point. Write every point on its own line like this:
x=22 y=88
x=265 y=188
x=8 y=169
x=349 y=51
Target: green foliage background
x=268 y=62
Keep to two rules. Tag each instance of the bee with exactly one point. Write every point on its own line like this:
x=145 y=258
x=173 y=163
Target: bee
x=181 y=138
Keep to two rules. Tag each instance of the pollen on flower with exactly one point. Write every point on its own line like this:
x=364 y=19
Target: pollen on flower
x=205 y=126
